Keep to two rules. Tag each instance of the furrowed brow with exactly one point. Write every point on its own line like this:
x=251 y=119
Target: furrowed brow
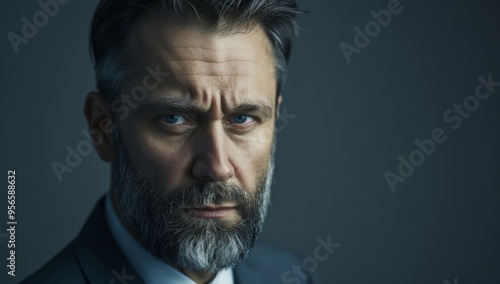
x=260 y=107
x=178 y=106
x=167 y=105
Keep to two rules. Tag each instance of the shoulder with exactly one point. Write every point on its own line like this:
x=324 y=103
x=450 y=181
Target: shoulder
x=62 y=268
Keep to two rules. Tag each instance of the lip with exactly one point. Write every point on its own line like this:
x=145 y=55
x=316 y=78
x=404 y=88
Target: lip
x=212 y=207
x=210 y=211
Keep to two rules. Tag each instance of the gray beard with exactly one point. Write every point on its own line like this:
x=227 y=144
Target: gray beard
x=157 y=218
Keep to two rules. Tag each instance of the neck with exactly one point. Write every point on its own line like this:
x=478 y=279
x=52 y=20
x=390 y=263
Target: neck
x=197 y=276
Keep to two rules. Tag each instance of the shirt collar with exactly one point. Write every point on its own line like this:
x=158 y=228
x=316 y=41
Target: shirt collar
x=152 y=270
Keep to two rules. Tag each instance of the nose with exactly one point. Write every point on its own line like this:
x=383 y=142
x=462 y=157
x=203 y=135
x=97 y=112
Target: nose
x=212 y=158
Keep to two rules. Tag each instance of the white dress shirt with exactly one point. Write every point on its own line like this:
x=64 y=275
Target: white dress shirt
x=151 y=269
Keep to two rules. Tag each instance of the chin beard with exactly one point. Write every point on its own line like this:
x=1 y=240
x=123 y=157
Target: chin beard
x=157 y=218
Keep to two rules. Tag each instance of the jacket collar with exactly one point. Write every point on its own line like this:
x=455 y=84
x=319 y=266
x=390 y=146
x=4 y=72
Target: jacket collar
x=101 y=259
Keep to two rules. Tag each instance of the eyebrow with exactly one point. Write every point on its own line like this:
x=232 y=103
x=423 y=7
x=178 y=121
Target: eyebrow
x=169 y=104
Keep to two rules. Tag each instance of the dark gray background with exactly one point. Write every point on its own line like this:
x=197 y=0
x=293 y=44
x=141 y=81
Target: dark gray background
x=352 y=121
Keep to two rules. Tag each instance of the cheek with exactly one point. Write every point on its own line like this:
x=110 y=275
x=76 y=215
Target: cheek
x=170 y=160
x=251 y=158
x=165 y=159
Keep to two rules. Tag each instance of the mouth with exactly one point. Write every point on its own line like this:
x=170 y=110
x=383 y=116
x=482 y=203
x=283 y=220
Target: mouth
x=210 y=211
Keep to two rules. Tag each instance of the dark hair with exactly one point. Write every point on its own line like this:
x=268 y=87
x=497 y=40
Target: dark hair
x=114 y=19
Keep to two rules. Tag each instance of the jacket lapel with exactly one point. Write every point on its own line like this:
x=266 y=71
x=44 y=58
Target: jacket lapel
x=101 y=259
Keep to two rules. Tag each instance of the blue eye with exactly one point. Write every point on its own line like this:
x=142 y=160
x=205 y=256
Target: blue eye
x=173 y=119
x=241 y=119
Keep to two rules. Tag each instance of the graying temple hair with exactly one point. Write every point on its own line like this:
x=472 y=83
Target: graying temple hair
x=114 y=19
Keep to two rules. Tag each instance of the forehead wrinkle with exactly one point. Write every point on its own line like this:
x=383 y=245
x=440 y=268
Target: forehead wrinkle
x=216 y=102
x=209 y=54
x=207 y=68
x=233 y=69
x=185 y=51
x=156 y=36
x=195 y=72
x=189 y=45
x=199 y=61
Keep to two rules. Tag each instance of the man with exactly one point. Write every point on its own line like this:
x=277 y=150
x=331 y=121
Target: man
x=188 y=97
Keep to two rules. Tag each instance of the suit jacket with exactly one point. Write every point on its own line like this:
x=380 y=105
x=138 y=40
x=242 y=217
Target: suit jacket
x=94 y=257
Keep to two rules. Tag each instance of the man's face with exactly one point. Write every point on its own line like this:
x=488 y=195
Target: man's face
x=193 y=160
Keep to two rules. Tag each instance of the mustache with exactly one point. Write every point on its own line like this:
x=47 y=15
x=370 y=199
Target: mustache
x=208 y=193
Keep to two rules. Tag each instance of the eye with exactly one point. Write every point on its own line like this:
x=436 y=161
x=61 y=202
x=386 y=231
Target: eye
x=173 y=119
x=242 y=119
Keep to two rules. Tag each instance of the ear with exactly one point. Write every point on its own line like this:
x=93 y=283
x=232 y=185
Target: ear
x=278 y=105
x=100 y=123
